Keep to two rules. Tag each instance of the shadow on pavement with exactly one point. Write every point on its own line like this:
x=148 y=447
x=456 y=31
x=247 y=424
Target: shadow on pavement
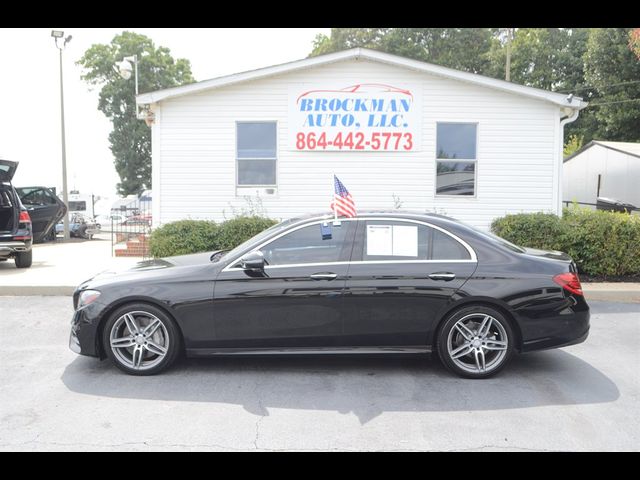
x=366 y=386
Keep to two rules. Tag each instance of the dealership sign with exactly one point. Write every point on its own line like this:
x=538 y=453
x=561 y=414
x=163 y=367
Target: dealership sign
x=366 y=116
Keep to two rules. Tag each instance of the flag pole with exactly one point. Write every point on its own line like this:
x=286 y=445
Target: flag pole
x=335 y=210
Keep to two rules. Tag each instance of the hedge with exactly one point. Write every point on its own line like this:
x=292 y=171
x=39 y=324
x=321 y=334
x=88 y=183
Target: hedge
x=183 y=237
x=240 y=229
x=192 y=236
x=601 y=243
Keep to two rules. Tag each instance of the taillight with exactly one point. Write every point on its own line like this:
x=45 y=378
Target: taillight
x=570 y=282
x=24 y=217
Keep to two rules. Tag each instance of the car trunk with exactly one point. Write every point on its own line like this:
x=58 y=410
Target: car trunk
x=8 y=211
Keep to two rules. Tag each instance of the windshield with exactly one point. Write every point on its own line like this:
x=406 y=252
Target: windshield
x=253 y=240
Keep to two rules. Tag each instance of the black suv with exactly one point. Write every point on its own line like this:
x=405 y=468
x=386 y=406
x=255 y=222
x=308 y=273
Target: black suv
x=16 y=233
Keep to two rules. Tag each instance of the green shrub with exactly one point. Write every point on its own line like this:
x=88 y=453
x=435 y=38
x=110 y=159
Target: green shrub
x=534 y=230
x=193 y=236
x=601 y=243
x=183 y=237
x=232 y=233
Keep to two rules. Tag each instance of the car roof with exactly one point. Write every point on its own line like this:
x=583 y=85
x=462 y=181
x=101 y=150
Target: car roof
x=409 y=214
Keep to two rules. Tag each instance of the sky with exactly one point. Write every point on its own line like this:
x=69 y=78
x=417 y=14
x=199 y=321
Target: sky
x=30 y=93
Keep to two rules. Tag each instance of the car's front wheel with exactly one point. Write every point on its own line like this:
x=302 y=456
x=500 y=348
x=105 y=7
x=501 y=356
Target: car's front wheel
x=141 y=339
x=475 y=342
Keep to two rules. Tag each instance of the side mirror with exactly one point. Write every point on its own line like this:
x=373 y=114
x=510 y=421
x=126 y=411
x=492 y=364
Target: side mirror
x=253 y=261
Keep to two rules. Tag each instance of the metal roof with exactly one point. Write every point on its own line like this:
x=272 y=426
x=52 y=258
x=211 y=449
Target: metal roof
x=629 y=148
x=560 y=99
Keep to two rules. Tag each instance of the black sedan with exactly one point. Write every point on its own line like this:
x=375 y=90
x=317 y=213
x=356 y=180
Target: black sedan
x=379 y=283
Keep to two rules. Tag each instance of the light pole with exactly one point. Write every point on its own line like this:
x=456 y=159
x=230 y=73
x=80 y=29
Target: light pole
x=58 y=34
x=124 y=68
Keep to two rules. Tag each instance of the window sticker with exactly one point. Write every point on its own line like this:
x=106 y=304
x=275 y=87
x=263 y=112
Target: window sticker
x=325 y=230
x=392 y=240
x=405 y=241
x=379 y=240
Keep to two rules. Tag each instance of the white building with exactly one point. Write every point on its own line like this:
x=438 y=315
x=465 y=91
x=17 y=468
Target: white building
x=603 y=169
x=396 y=132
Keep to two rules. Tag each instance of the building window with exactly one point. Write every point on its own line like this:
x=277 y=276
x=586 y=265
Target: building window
x=256 y=153
x=456 y=159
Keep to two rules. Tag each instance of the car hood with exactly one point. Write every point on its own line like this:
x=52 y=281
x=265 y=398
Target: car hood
x=7 y=170
x=151 y=269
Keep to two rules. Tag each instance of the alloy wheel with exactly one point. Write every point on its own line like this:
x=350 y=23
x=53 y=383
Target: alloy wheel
x=139 y=340
x=477 y=343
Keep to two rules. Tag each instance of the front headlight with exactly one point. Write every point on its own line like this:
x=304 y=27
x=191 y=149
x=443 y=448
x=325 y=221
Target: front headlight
x=87 y=297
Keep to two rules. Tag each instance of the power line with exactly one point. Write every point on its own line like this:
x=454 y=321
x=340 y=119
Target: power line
x=603 y=86
x=619 y=101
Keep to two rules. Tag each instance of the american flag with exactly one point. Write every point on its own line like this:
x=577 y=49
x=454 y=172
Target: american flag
x=342 y=200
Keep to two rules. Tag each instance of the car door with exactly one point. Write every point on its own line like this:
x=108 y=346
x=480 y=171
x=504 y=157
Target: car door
x=7 y=170
x=402 y=274
x=296 y=301
x=44 y=208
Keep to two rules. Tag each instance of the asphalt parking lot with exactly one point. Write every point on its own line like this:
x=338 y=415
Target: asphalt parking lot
x=584 y=397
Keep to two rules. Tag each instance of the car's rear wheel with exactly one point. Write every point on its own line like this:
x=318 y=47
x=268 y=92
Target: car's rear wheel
x=24 y=259
x=475 y=342
x=141 y=339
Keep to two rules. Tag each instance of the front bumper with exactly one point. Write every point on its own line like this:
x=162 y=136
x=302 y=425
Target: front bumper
x=83 y=338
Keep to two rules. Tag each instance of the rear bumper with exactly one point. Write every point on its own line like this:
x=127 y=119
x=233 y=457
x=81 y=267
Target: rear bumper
x=8 y=249
x=562 y=331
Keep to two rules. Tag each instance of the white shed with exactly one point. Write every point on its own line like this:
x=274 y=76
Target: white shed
x=397 y=133
x=603 y=169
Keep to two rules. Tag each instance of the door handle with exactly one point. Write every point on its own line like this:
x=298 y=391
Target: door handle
x=446 y=276
x=323 y=276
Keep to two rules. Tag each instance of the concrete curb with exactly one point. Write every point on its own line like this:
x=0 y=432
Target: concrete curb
x=30 y=290
x=624 y=296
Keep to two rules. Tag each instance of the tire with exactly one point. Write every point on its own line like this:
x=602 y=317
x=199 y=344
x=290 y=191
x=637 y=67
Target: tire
x=24 y=259
x=82 y=232
x=465 y=351
x=164 y=337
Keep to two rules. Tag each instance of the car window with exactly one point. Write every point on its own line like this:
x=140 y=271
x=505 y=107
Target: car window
x=317 y=243
x=444 y=247
x=36 y=196
x=398 y=240
x=5 y=199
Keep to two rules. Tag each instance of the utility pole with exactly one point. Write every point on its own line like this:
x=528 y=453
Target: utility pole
x=507 y=74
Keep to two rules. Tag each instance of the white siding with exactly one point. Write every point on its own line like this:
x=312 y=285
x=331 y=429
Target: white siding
x=620 y=176
x=194 y=162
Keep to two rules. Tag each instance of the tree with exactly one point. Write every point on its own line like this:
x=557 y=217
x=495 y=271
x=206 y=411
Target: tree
x=548 y=58
x=634 y=41
x=345 y=38
x=572 y=145
x=459 y=48
x=130 y=140
x=613 y=70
